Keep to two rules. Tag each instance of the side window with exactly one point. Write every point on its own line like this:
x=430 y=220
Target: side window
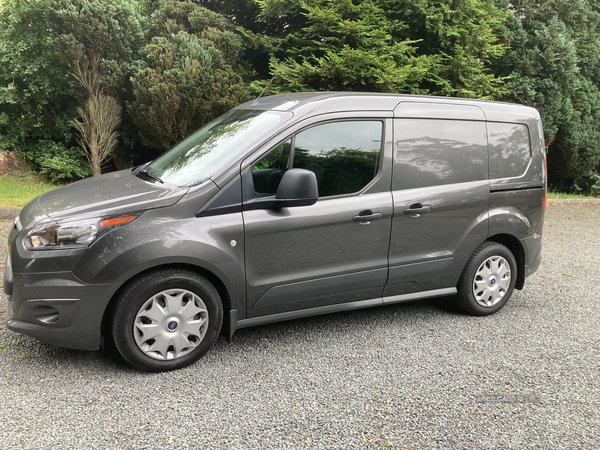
x=343 y=155
x=510 y=150
x=267 y=173
x=433 y=152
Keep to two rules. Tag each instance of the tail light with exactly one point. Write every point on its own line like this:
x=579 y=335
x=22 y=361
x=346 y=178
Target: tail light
x=545 y=177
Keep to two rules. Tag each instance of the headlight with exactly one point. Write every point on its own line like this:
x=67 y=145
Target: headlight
x=75 y=234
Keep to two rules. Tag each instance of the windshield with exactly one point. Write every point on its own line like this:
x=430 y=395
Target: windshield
x=204 y=153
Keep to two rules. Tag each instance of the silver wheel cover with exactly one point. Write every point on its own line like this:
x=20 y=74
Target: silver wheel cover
x=491 y=281
x=170 y=324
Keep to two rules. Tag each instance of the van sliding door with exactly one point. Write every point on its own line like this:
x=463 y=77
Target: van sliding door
x=440 y=192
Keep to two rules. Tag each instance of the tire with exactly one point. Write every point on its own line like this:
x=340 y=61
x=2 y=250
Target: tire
x=488 y=280
x=166 y=320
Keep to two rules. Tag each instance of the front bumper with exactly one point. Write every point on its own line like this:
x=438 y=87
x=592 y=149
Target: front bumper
x=56 y=308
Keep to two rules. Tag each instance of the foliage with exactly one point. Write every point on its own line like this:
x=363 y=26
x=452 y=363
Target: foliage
x=112 y=30
x=463 y=38
x=176 y=64
x=190 y=73
x=61 y=164
x=339 y=45
x=563 y=195
x=554 y=65
x=437 y=47
x=99 y=40
x=37 y=95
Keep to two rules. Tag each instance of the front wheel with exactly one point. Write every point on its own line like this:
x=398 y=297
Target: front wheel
x=488 y=279
x=166 y=320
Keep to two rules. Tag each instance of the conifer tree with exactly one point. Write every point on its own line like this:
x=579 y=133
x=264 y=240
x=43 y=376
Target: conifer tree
x=190 y=73
x=554 y=65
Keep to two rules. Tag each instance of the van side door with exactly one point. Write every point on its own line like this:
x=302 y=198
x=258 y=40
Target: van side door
x=441 y=193
x=336 y=250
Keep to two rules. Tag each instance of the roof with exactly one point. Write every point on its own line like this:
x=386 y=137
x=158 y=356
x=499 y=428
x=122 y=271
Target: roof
x=325 y=102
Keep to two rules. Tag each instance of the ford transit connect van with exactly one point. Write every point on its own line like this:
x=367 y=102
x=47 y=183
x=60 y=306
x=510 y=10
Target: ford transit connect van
x=285 y=207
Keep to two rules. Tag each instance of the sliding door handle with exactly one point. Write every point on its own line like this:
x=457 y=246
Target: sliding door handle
x=417 y=209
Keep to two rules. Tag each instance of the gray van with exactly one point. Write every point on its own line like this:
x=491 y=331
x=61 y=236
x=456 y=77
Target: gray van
x=285 y=207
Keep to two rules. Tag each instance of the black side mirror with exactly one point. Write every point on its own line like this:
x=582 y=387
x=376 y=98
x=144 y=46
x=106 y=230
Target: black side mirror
x=298 y=187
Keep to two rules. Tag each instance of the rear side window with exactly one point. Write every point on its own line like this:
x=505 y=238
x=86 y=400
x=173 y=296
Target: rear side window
x=431 y=152
x=343 y=155
x=510 y=150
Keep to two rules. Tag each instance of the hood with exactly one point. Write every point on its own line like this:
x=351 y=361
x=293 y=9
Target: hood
x=113 y=193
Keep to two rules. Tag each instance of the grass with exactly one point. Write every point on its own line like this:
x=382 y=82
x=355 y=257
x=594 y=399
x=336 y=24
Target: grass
x=563 y=195
x=18 y=189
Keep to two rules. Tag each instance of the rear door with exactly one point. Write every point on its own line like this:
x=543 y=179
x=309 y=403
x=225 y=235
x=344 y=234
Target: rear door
x=336 y=250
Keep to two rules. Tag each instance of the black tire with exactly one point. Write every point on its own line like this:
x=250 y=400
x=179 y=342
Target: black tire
x=160 y=302
x=485 y=289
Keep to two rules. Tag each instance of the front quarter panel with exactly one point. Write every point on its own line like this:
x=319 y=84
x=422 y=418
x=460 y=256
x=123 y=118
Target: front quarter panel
x=156 y=239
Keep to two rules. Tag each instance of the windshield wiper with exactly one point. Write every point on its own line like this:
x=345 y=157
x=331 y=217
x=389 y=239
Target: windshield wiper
x=151 y=175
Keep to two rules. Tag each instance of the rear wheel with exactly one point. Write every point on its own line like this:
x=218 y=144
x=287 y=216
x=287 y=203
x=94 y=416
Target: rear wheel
x=166 y=320
x=488 y=279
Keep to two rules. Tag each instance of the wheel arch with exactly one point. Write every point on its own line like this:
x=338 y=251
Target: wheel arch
x=516 y=248
x=218 y=284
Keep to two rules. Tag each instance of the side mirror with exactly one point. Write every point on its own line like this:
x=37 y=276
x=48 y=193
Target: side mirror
x=298 y=187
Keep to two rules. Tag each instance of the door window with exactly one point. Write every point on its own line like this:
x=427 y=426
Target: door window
x=344 y=156
x=267 y=173
x=432 y=152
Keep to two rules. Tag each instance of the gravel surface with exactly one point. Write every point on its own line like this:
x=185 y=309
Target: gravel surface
x=409 y=376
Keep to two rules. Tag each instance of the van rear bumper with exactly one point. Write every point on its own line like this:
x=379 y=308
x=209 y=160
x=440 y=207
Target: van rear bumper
x=530 y=269
x=533 y=253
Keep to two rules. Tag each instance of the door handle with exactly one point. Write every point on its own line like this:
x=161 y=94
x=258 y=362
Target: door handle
x=365 y=217
x=416 y=209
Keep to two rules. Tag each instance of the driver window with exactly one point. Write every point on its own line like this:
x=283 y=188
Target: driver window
x=343 y=155
x=267 y=173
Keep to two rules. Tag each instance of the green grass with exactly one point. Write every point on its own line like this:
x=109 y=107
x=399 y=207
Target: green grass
x=16 y=190
x=563 y=195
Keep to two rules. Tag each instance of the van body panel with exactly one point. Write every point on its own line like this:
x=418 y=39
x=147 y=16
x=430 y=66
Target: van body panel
x=326 y=243
x=453 y=228
x=517 y=212
x=204 y=243
x=81 y=308
x=108 y=194
x=533 y=246
x=354 y=285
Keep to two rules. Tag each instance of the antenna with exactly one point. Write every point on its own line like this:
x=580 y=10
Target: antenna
x=264 y=90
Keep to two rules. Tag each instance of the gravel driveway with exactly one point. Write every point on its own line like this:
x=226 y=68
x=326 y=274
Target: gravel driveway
x=408 y=376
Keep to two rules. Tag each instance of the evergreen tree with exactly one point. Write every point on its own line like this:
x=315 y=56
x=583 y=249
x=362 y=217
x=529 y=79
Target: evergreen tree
x=325 y=45
x=554 y=65
x=189 y=75
x=99 y=40
x=438 y=47
x=37 y=94
x=463 y=38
